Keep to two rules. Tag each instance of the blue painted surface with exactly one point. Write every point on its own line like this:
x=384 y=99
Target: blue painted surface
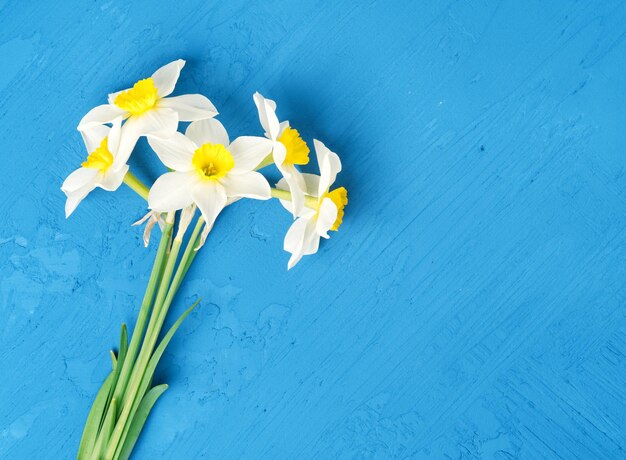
x=472 y=304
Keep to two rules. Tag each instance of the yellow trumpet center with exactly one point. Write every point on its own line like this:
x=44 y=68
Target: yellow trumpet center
x=297 y=150
x=139 y=99
x=212 y=161
x=100 y=158
x=339 y=196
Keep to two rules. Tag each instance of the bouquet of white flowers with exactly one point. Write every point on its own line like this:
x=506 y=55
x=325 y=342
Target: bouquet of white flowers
x=206 y=172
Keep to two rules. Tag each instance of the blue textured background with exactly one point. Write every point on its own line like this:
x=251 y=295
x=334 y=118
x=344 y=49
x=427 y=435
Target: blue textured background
x=472 y=304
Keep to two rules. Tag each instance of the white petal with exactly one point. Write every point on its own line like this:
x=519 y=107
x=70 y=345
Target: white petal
x=326 y=217
x=153 y=218
x=129 y=135
x=296 y=185
x=210 y=197
x=171 y=191
x=113 y=178
x=190 y=107
x=279 y=153
x=159 y=122
x=175 y=151
x=267 y=115
x=329 y=164
x=311 y=181
x=166 y=77
x=207 y=131
x=114 y=136
x=250 y=184
x=100 y=115
x=282 y=127
x=74 y=199
x=78 y=179
x=93 y=136
x=249 y=151
x=311 y=241
x=293 y=240
x=301 y=239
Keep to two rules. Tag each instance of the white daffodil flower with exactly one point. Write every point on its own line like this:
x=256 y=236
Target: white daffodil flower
x=147 y=110
x=208 y=170
x=288 y=149
x=323 y=211
x=104 y=166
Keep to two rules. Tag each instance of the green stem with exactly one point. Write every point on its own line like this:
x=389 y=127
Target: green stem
x=138 y=332
x=161 y=306
x=309 y=201
x=138 y=187
x=181 y=270
x=190 y=250
x=268 y=160
x=147 y=346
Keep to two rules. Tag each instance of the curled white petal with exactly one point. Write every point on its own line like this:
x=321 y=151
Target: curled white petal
x=186 y=216
x=92 y=137
x=329 y=164
x=210 y=197
x=296 y=185
x=279 y=153
x=207 y=131
x=326 y=217
x=301 y=239
x=293 y=241
x=190 y=107
x=283 y=125
x=166 y=77
x=153 y=218
x=267 y=116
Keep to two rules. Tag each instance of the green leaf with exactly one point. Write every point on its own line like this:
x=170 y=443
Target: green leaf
x=139 y=419
x=121 y=356
x=94 y=420
x=113 y=359
x=123 y=342
x=149 y=372
x=105 y=431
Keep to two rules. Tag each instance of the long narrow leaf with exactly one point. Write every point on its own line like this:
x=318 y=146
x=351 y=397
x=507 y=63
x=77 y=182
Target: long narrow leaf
x=105 y=432
x=94 y=420
x=149 y=372
x=121 y=356
x=138 y=421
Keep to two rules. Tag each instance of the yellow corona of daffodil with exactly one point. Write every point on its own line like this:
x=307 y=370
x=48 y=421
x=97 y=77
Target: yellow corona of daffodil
x=103 y=167
x=324 y=208
x=208 y=170
x=288 y=149
x=147 y=109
